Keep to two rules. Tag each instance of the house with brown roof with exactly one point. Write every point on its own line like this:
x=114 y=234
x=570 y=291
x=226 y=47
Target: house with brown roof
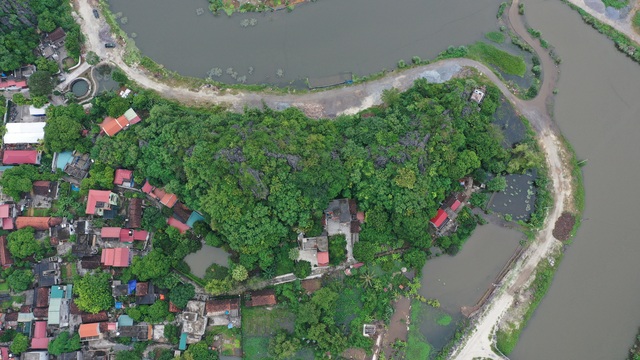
x=101 y=201
x=265 y=297
x=42 y=297
x=45 y=188
x=140 y=332
x=5 y=256
x=145 y=293
x=88 y=318
x=37 y=222
x=224 y=312
x=56 y=35
x=135 y=213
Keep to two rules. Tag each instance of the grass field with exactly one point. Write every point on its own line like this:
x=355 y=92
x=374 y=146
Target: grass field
x=636 y=22
x=258 y=325
x=495 y=36
x=505 y=62
x=617 y=4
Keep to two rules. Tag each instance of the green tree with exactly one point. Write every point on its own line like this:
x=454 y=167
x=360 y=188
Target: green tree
x=64 y=343
x=283 y=345
x=157 y=312
x=39 y=101
x=199 y=351
x=364 y=251
x=19 y=99
x=337 y=249
x=92 y=58
x=40 y=83
x=498 y=183
x=20 y=280
x=152 y=266
x=117 y=106
x=302 y=269
x=22 y=243
x=218 y=286
x=18 y=180
x=20 y=344
x=100 y=177
x=48 y=65
x=152 y=219
x=62 y=133
x=239 y=273
x=294 y=254
x=172 y=333
x=93 y=291
x=181 y=294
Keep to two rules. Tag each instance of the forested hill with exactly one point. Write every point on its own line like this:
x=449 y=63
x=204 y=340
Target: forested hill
x=262 y=176
x=22 y=20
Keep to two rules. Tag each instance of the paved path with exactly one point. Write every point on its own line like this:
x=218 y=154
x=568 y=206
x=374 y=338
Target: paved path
x=73 y=75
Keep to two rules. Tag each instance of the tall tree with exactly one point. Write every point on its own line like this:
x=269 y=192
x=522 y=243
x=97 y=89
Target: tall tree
x=22 y=243
x=20 y=280
x=62 y=133
x=152 y=266
x=93 y=291
x=40 y=83
x=181 y=294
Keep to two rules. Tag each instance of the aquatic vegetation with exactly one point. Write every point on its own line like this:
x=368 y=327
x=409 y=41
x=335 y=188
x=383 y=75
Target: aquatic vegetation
x=229 y=71
x=250 y=70
x=244 y=23
x=242 y=79
x=124 y=20
x=280 y=73
x=216 y=71
x=133 y=35
x=199 y=11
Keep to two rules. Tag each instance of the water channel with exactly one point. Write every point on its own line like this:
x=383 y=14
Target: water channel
x=591 y=309
x=319 y=39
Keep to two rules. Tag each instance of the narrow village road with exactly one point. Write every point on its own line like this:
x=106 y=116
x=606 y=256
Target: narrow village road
x=352 y=99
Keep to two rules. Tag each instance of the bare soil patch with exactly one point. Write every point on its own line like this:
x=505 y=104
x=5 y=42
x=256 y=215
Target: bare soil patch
x=564 y=225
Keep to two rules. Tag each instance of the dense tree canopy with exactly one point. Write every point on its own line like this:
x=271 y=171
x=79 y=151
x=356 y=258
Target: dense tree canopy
x=181 y=294
x=261 y=175
x=41 y=83
x=153 y=265
x=93 y=291
x=22 y=243
x=20 y=280
x=20 y=344
x=62 y=133
x=64 y=343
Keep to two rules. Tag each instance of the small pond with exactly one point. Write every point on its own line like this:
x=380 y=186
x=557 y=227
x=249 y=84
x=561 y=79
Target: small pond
x=460 y=280
x=102 y=77
x=80 y=87
x=518 y=199
x=199 y=261
x=507 y=120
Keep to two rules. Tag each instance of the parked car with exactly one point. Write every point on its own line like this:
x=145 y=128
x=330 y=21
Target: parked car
x=109 y=45
x=95 y=13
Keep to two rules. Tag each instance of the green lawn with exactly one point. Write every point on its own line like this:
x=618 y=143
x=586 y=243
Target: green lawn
x=636 y=21
x=41 y=212
x=256 y=347
x=505 y=62
x=259 y=321
x=495 y=36
x=4 y=287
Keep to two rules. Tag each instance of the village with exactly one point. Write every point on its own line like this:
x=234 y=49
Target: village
x=111 y=235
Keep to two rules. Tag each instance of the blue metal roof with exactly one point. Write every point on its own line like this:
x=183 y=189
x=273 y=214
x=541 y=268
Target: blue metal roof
x=183 y=341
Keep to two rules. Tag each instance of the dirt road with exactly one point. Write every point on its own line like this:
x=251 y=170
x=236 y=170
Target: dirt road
x=351 y=99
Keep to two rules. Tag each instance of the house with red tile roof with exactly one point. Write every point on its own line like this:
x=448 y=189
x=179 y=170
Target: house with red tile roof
x=37 y=222
x=13 y=84
x=167 y=199
x=89 y=331
x=116 y=257
x=40 y=340
x=178 y=224
x=7 y=213
x=440 y=219
x=5 y=256
x=266 y=297
x=323 y=258
x=100 y=200
x=110 y=233
x=123 y=178
x=18 y=157
x=112 y=126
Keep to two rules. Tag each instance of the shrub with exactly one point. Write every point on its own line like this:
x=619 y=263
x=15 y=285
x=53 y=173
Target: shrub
x=501 y=9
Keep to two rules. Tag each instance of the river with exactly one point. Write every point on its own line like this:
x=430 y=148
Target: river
x=591 y=310
x=318 y=39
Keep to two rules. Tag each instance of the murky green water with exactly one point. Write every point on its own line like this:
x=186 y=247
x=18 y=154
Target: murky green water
x=315 y=40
